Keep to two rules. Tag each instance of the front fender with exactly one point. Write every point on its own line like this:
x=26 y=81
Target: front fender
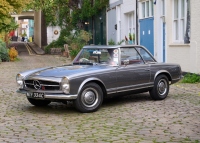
x=89 y=80
x=162 y=71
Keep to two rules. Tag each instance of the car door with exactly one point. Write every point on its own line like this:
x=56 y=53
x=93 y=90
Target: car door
x=133 y=73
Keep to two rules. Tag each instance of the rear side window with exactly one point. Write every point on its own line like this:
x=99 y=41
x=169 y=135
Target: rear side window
x=130 y=56
x=145 y=55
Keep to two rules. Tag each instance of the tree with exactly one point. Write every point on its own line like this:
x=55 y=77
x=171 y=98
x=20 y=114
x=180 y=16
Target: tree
x=7 y=7
x=67 y=14
x=54 y=12
x=7 y=23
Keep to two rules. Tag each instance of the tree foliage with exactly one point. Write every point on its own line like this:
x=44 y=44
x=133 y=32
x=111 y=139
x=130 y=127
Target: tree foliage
x=7 y=7
x=68 y=14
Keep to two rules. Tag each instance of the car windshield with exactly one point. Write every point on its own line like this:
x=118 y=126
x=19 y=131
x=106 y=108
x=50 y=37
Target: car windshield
x=98 y=56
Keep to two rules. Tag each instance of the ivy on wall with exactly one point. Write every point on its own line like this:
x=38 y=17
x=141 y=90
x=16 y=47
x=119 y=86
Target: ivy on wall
x=89 y=8
x=67 y=14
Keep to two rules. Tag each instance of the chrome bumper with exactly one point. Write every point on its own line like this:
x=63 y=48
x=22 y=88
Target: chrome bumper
x=50 y=95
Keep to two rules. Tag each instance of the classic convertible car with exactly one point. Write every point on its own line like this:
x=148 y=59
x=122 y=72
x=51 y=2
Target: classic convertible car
x=98 y=72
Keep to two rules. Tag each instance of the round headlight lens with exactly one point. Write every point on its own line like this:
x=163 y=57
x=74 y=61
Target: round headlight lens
x=19 y=79
x=65 y=85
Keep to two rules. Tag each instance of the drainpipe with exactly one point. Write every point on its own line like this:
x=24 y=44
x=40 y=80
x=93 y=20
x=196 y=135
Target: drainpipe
x=136 y=22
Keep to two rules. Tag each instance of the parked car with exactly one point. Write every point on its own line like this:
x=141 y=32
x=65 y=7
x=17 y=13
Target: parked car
x=98 y=72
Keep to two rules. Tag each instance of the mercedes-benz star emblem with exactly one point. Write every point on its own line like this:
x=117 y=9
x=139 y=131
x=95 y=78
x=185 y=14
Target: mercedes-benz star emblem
x=36 y=84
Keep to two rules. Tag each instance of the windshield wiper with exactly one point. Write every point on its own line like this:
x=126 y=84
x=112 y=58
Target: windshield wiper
x=82 y=63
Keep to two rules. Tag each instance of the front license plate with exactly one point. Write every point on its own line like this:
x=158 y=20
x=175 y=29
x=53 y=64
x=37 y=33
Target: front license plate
x=38 y=95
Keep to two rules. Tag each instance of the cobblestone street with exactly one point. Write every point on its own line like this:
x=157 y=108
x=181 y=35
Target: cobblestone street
x=129 y=119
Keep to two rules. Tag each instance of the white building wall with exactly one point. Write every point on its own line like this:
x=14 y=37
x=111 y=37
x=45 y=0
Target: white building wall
x=112 y=1
x=51 y=33
x=176 y=52
x=126 y=6
x=37 y=28
x=158 y=43
x=195 y=35
x=187 y=55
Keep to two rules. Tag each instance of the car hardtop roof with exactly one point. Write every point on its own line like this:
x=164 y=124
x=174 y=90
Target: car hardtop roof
x=106 y=46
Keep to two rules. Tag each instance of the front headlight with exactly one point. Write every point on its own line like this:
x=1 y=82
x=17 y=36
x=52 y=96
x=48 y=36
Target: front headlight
x=19 y=80
x=65 y=85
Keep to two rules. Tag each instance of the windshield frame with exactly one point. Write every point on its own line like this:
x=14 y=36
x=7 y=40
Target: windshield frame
x=77 y=62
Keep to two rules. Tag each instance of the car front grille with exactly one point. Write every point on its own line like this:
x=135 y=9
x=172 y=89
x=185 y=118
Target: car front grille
x=42 y=85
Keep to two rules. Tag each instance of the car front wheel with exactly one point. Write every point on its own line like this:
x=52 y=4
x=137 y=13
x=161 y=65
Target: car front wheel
x=39 y=102
x=161 y=88
x=90 y=98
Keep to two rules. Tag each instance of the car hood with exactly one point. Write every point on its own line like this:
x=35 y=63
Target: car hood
x=70 y=70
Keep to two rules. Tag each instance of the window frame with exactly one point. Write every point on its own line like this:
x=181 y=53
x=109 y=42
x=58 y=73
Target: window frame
x=147 y=52
x=147 y=9
x=130 y=17
x=179 y=20
x=127 y=60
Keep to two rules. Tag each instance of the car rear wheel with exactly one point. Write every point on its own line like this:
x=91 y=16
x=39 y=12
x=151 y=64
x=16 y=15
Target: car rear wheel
x=90 y=98
x=38 y=102
x=160 y=89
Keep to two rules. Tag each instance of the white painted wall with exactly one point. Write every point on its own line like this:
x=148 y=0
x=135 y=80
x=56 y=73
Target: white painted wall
x=37 y=28
x=187 y=55
x=195 y=35
x=122 y=10
x=158 y=32
x=112 y=1
x=50 y=30
x=127 y=7
x=50 y=33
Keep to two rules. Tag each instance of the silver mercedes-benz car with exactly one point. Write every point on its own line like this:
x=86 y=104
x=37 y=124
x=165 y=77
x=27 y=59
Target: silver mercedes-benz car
x=98 y=72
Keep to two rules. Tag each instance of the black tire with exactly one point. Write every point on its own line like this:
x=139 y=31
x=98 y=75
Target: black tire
x=38 y=102
x=160 y=89
x=89 y=99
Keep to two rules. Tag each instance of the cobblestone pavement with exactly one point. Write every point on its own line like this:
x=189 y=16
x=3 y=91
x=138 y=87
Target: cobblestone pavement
x=131 y=119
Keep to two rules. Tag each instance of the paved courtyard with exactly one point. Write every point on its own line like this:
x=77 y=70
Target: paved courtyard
x=130 y=119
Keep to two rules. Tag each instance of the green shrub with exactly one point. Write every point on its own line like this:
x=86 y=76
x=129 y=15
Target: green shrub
x=76 y=41
x=119 y=43
x=191 y=78
x=111 y=42
x=4 y=56
x=59 y=43
x=55 y=44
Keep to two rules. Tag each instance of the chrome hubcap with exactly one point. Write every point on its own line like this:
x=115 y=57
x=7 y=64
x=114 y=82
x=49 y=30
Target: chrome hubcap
x=162 y=86
x=89 y=97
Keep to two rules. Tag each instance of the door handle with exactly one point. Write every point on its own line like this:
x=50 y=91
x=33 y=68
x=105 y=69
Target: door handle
x=147 y=69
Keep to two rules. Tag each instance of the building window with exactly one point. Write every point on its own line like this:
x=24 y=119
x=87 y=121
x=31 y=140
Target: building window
x=143 y=10
x=131 y=27
x=151 y=7
x=147 y=9
x=179 y=20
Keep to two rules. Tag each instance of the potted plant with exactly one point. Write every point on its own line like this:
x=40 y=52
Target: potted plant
x=131 y=38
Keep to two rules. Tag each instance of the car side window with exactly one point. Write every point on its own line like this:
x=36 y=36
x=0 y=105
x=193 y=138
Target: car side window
x=130 y=56
x=145 y=55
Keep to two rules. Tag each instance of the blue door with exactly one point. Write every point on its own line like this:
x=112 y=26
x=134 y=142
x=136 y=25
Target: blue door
x=147 y=34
